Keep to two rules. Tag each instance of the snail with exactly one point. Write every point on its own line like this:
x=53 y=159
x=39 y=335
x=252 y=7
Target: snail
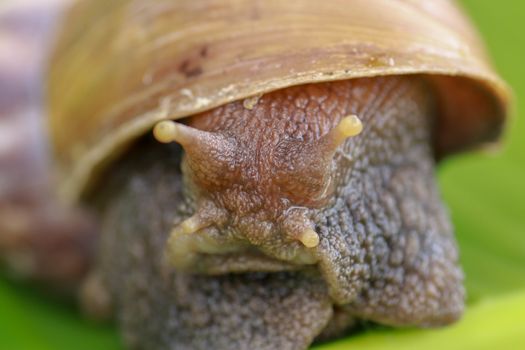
x=258 y=175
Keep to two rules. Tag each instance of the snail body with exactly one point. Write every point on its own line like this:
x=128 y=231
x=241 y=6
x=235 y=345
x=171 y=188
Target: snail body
x=319 y=284
x=263 y=172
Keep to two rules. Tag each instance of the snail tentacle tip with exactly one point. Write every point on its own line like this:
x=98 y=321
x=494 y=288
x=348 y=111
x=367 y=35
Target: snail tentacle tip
x=165 y=131
x=309 y=238
x=187 y=227
x=349 y=126
x=191 y=225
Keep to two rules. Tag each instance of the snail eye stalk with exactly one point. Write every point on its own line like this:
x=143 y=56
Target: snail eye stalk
x=211 y=156
x=168 y=131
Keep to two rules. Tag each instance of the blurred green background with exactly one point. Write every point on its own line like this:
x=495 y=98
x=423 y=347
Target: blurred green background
x=486 y=197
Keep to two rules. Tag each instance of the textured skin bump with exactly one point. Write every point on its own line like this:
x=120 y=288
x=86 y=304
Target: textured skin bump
x=386 y=252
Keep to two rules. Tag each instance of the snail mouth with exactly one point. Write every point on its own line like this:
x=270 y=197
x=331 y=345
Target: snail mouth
x=206 y=252
x=241 y=262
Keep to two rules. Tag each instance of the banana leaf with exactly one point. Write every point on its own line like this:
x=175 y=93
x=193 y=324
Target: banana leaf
x=486 y=198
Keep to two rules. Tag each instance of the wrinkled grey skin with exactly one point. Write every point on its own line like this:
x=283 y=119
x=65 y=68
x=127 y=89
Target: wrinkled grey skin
x=387 y=252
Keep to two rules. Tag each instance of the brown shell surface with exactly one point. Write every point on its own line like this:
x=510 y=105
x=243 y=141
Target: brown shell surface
x=121 y=66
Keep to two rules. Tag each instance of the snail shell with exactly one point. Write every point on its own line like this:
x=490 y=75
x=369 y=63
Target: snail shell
x=122 y=66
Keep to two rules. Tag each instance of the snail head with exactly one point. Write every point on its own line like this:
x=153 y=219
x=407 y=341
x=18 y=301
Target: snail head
x=255 y=173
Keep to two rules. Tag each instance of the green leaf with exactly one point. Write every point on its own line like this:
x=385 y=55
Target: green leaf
x=486 y=197
x=491 y=324
x=30 y=321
